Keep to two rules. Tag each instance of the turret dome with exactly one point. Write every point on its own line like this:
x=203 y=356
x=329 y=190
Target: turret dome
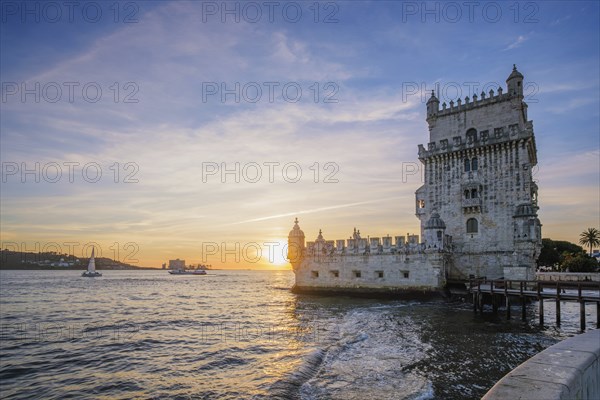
x=432 y=98
x=435 y=222
x=320 y=237
x=514 y=74
x=296 y=231
x=525 y=210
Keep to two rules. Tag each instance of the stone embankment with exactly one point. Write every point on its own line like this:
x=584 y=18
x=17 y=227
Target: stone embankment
x=568 y=370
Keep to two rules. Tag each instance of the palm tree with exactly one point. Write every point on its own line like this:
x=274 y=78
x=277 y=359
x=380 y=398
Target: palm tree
x=591 y=238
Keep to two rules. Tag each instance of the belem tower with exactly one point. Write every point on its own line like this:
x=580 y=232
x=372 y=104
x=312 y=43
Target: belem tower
x=477 y=208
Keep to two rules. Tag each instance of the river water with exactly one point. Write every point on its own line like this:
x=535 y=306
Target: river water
x=244 y=335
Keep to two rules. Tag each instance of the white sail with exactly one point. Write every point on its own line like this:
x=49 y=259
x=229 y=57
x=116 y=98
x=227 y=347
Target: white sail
x=92 y=263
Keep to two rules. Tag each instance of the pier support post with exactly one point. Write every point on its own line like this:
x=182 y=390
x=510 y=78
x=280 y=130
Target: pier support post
x=541 y=301
x=598 y=314
x=582 y=315
x=523 y=309
x=506 y=300
x=581 y=309
x=494 y=304
x=558 y=304
x=480 y=298
x=474 y=295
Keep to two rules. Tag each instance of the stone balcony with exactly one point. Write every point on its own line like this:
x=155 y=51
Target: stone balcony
x=471 y=205
x=471 y=177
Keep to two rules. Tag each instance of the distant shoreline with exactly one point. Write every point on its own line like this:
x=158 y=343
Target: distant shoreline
x=131 y=268
x=19 y=261
x=78 y=268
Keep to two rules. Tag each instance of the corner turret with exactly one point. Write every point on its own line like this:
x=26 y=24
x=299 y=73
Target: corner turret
x=527 y=226
x=434 y=231
x=295 y=250
x=433 y=106
x=527 y=242
x=514 y=82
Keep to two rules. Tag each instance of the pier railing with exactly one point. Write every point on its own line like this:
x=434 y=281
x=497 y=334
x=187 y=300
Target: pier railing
x=501 y=291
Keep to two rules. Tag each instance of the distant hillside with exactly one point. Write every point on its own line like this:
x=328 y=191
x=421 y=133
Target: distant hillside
x=52 y=260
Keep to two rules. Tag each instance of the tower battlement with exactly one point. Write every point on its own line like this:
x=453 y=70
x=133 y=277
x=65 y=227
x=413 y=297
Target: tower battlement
x=476 y=101
x=357 y=245
x=493 y=117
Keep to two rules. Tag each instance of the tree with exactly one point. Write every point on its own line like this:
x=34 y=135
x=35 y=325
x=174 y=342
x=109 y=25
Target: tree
x=591 y=238
x=554 y=252
x=579 y=263
x=549 y=255
x=563 y=255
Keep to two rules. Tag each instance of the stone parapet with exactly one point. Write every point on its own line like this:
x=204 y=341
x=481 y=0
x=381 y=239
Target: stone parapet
x=569 y=370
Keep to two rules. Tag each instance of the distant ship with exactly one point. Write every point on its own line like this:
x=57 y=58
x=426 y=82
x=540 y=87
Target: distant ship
x=91 y=270
x=201 y=270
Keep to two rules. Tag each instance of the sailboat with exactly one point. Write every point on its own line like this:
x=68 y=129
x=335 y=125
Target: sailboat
x=91 y=270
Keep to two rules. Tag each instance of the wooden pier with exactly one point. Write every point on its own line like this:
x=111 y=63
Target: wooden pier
x=504 y=292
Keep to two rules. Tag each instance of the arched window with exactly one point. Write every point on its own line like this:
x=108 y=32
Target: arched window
x=474 y=164
x=472 y=225
x=467 y=194
x=473 y=193
x=467 y=165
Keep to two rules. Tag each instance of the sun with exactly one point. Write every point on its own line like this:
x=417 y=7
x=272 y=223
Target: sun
x=277 y=256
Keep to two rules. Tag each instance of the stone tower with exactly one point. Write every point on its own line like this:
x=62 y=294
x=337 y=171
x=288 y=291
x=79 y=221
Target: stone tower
x=478 y=181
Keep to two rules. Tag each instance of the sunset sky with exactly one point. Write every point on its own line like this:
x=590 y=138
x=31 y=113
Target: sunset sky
x=342 y=98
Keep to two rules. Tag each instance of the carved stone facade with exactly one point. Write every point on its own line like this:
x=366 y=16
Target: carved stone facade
x=477 y=207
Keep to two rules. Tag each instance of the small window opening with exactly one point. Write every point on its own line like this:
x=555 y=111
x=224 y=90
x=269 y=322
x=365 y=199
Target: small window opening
x=472 y=225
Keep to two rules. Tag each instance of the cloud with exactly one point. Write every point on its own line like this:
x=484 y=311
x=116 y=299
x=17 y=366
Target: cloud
x=315 y=210
x=559 y=21
x=571 y=104
x=517 y=43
